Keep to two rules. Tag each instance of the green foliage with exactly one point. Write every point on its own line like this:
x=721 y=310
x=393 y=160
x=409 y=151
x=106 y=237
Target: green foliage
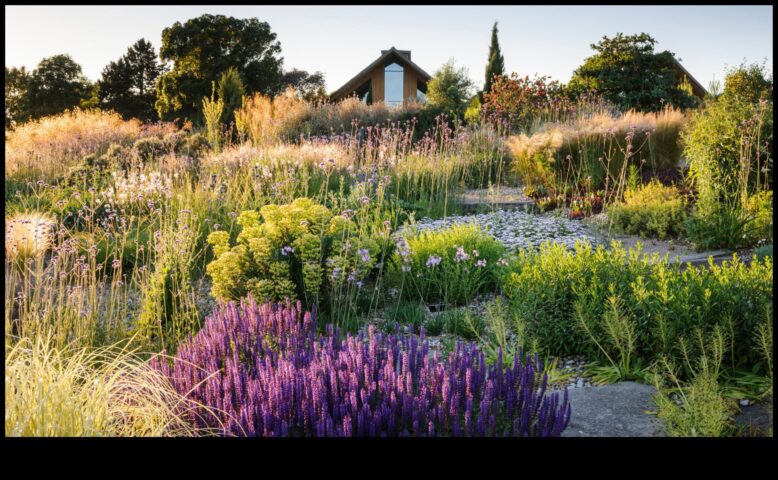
x=664 y=301
x=231 y=93
x=299 y=250
x=128 y=86
x=650 y=210
x=703 y=409
x=729 y=148
x=618 y=342
x=411 y=313
x=307 y=86
x=461 y=323
x=204 y=47
x=626 y=71
x=748 y=83
x=16 y=80
x=451 y=266
x=56 y=85
x=149 y=149
x=212 y=112
x=496 y=63
x=449 y=89
x=473 y=112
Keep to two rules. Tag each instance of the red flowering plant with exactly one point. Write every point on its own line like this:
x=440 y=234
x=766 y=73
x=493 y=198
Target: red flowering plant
x=519 y=100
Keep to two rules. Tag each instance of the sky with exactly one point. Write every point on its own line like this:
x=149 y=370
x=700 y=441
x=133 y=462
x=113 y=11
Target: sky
x=341 y=40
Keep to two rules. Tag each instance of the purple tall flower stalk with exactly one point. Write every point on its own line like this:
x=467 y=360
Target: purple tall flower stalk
x=262 y=371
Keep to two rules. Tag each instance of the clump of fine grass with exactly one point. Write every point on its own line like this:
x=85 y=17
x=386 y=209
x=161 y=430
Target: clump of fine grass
x=592 y=151
x=28 y=235
x=53 y=392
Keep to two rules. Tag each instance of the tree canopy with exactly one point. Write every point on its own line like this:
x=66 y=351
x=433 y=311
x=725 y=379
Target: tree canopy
x=450 y=89
x=128 y=85
x=626 y=71
x=203 y=48
x=309 y=86
x=56 y=85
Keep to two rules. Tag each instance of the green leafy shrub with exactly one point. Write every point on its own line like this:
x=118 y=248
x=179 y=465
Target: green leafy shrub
x=651 y=210
x=664 y=300
x=729 y=148
x=760 y=209
x=149 y=149
x=451 y=265
x=300 y=250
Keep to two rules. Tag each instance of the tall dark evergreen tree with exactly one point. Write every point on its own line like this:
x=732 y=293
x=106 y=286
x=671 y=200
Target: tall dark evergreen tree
x=496 y=63
x=128 y=85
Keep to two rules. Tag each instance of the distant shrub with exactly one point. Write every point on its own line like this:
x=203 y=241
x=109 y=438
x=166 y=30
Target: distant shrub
x=520 y=99
x=263 y=372
x=149 y=149
x=652 y=210
x=666 y=302
x=451 y=265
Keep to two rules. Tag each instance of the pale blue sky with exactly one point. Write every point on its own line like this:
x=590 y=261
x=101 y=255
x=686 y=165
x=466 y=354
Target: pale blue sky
x=341 y=40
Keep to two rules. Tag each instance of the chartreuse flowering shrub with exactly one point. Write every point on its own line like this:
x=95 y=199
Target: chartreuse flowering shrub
x=263 y=372
x=297 y=251
x=650 y=210
x=451 y=265
x=552 y=287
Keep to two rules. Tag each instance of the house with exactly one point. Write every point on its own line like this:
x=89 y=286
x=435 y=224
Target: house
x=392 y=78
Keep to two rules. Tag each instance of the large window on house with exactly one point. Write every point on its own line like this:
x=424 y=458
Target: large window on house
x=393 y=84
x=421 y=92
x=365 y=92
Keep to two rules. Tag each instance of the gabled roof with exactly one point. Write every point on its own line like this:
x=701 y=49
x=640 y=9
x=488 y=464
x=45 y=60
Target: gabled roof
x=401 y=56
x=697 y=88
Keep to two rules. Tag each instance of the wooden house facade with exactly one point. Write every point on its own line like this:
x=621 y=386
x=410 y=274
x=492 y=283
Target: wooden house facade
x=392 y=78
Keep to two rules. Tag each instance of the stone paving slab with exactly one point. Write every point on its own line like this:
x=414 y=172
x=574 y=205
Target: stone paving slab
x=617 y=410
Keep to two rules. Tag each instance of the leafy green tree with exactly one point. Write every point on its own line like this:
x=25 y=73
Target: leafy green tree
x=202 y=48
x=128 y=85
x=750 y=83
x=56 y=85
x=16 y=80
x=626 y=71
x=495 y=64
x=450 y=89
x=309 y=86
x=231 y=93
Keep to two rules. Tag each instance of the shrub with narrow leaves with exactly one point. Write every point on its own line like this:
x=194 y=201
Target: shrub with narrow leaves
x=267 y=373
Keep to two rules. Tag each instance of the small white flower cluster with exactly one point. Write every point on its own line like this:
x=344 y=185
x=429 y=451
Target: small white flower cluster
x=138 y=187
x=518 y=229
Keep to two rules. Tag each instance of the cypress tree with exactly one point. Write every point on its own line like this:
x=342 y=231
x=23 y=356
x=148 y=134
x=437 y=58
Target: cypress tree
x=496 y=63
